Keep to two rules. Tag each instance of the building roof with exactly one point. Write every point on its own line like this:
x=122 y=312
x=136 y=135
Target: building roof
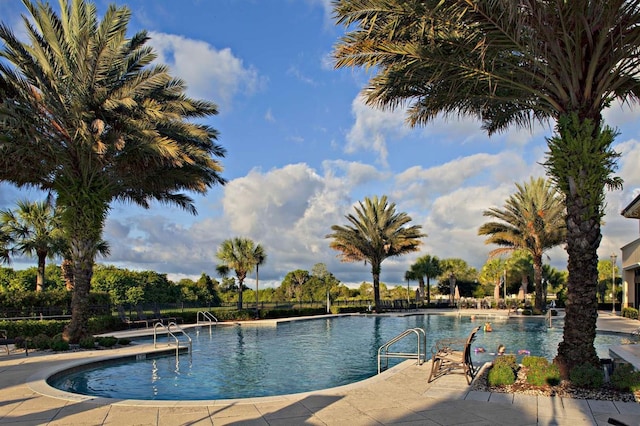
x=632 y=211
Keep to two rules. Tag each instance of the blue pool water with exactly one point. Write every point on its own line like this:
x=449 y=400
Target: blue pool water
x=300 y=356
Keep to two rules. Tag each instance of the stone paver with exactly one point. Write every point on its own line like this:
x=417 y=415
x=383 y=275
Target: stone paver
x=399 y=396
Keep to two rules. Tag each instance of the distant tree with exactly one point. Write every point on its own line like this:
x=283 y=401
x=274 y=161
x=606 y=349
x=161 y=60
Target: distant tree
x=259 y=258
x=238 y=254
x=466 y=276
x=293 y=283
x=206 y=290
x=426 y=267
x=34 y=228
x=376 y=232
x=492 y=273
x=411 y=275
x=532 y=219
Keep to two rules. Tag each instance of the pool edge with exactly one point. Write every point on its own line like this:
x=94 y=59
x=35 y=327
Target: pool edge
x=37 y=382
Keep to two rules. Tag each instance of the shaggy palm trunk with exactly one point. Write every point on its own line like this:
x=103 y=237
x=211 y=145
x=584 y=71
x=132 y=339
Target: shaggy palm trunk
x=537 y=279
x=428 y=291
x=583 y=239
x=82 y=260
x=83 y=221
x=67 y=273
x=581 y=162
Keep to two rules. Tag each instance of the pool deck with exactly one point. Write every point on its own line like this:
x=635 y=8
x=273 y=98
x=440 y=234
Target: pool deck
x=399 y=396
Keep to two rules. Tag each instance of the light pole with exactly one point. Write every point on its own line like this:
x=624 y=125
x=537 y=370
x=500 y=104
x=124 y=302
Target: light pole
x=613 y=282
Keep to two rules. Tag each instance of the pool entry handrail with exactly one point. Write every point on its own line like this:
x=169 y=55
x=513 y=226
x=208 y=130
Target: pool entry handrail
x=170 y=335
x=207 y=318
x=419 y=354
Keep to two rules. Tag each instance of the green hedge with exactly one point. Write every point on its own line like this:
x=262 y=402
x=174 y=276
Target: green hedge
x=630 y=313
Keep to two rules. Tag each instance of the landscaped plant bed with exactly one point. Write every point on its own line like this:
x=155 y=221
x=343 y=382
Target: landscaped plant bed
x=564 y=389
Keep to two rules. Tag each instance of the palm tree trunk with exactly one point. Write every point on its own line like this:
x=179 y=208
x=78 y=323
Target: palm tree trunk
x=375 y=272
x=537 y=279
x=428 y=291
x=82 y=258
x=42 y=258
x=83 y=218
x=257 y=277
x=581 y=163
x=67 y=273
x=581 y=308
x=240 y=287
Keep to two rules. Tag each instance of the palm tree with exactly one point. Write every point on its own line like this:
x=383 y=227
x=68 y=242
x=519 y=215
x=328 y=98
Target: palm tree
x=411 y=275
x=376 y=233
x=533 y=219
x=427 y=267
x=240 y=255
x=259 y=257
x=514 y=63
x=86 y=116
x=35 y=231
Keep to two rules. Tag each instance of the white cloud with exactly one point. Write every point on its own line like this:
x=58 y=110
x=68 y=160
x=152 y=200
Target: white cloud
x=372 y=127
x=210 y=73
x=268 y=116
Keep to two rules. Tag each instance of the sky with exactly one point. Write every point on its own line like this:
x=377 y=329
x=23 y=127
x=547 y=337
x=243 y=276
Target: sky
x=303 y=149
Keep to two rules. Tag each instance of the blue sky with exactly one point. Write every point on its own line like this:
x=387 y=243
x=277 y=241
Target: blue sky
x=302 y=149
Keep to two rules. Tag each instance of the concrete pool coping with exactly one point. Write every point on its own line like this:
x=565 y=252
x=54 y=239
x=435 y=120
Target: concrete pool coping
x=398 y=395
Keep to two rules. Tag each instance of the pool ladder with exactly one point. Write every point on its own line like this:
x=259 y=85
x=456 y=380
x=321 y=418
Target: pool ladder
x=170 y=335
x=419 y=354
x=207 y=318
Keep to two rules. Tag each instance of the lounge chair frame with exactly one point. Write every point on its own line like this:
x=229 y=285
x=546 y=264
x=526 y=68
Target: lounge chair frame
x=126 y=320
x=453 y=354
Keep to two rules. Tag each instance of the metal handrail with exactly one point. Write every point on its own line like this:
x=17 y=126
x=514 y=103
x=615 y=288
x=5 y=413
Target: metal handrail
x=383 y=351
x=170 y=334
x=208 y=318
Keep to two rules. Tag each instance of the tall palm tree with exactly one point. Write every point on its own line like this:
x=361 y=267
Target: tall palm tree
x=427 y=267
x=512 y=63
x=376 y=233
x=259 y=257
x=240 y=255
x=86 y=115
x=410 y=275
x=532 y=219
x=35 y=231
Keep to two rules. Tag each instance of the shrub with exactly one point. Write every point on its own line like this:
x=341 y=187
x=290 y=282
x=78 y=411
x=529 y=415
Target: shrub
x=587 y=376
x=506 y=360
x=107 y=341
x=103 y=324
x=41 y=341
x=535 y=362
x=59 y=344
x=625 y=378
x=501 y=375
x=629 y=312
x=124 y=341
x=540 y=371
x=87 y=342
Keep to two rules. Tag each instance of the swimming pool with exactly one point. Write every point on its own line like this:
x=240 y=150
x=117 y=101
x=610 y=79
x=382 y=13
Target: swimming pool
x=299 y=356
